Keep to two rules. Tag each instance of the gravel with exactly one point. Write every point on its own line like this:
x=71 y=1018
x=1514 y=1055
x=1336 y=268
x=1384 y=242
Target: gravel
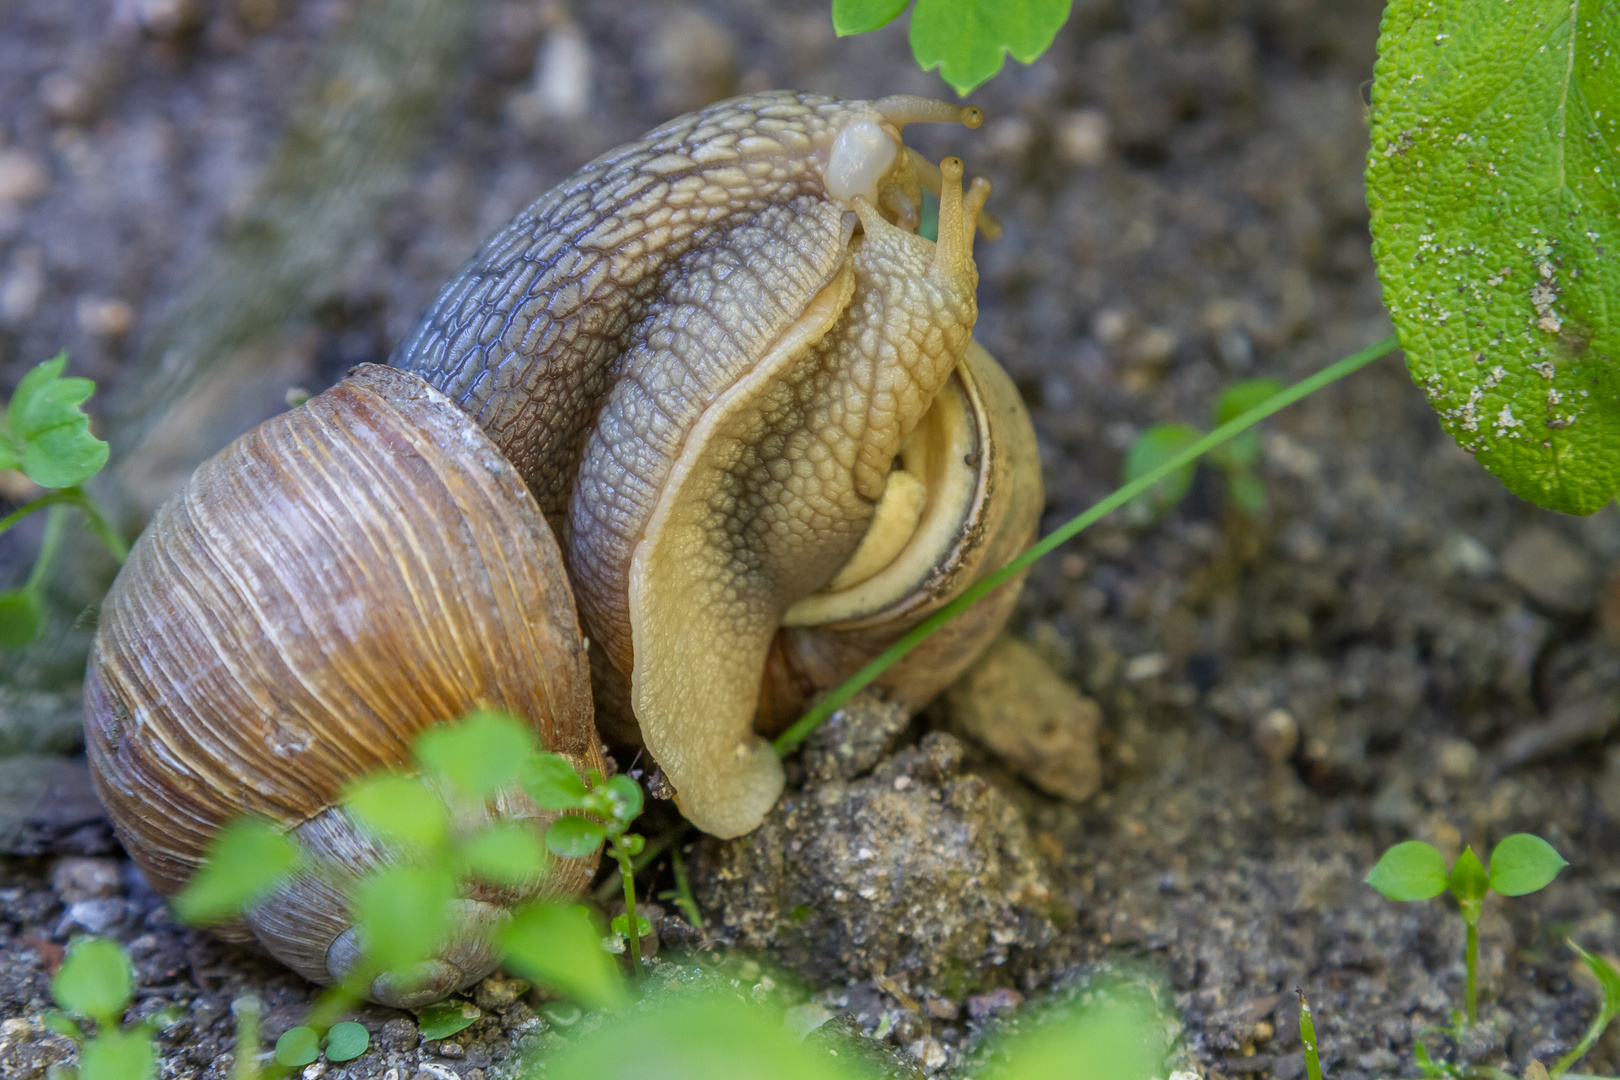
x=1394 y=648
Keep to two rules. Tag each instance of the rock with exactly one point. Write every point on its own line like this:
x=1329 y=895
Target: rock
x=1555 y=572
x=852 y=739
x=498 y=992
x=398 y=1035
x=1018 y=707
x=936 y=881
x=1457 y=759
x=1082 y=137
x=48 y=807
x=100 y=916
x=1276 y=735
x=996 y=1002
x=22 y=177
x=77 y=878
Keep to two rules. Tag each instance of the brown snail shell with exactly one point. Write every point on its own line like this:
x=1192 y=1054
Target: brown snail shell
x=331 y=583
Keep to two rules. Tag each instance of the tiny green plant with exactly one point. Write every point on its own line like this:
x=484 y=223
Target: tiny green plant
x=402 y=910
x=45 y=435
x=1307 y=1037
x=1521 y=864
x=1235 y=458
x=96 y=984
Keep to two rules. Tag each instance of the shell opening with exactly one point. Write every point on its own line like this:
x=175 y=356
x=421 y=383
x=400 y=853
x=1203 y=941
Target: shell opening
x=917 y=519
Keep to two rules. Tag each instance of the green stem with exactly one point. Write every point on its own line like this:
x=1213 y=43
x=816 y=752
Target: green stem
x=654 y=848
x=245 y=1060
x=683 y=891
x=632 y=925
x=1307 y=1035
x=1473 y=971
x=73 y=496
x=49 y=547
x=790 y=739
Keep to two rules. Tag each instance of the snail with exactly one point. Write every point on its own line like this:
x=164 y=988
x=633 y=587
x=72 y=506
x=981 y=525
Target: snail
x=693 y=437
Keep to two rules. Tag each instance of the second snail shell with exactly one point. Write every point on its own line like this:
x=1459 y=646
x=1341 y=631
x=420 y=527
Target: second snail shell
x=722 y=367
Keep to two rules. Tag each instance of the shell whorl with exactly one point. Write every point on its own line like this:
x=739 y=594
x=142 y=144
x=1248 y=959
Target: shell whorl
x=343 y=576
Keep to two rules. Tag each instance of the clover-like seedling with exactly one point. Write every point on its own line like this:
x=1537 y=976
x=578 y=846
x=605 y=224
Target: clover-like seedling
x=1520 y=864
x=96 y=982
x=1236 y=458
x=45 y=435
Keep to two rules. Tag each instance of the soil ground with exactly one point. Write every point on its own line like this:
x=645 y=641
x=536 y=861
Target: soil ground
x=1180 y=185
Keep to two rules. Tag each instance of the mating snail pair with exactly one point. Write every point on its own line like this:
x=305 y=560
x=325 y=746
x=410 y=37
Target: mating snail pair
x=721 y=368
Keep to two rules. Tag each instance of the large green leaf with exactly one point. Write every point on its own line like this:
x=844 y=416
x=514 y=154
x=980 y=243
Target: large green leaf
x=968 y=39
x=95 y=980
x=245 y=860
x=1495 y=218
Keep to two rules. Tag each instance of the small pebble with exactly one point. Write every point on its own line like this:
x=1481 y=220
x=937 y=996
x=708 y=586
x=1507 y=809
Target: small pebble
x=77 y=878
x=1551 y=569
x=981 y=1006
x=98 y=916
x=1082 y=137
x=103 y=317
x=398 y=1035
x=1276 y=735
x=929 y=1051
x=22 y=177
x=1458 y=759
x=498 y=992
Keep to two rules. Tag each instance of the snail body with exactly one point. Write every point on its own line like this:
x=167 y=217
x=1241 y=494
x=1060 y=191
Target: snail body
x=723 y=369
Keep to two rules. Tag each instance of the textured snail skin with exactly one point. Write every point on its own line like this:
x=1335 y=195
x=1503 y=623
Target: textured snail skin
x=703 y=351
x=341 y=577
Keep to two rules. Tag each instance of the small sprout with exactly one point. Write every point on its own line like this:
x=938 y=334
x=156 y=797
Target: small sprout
x=443 y=1019
x=1413 y=870
x=346 y=1041
x=575 y=837
x=297 y=1047
x=1609 y=981
x=96 y=981
x=399 y=808
x=1155 y=446
x=480 y=756
x=1307 y=1035
x=1236 y=458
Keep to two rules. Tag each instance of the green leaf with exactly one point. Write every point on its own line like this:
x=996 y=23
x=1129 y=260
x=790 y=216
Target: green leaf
x=1119 y=1034
x=247 y=859
x=504 y=854
x=1242 y=396
x=119 y=1055
x=575 y=837
x=1522 y=864
x=860 y=16
x=1150 y=450
x=1468 y=884
x=21 y=615
x=1243 y=450
x=703 y=1036
x=95 y=980
x=443 y=1019
x=346 y=1041
x=45 y=421
x=1609 y=980
x=399 y=808
x=626 y=796
x=298 y=1046
x=63 y=1024
x=968 y=39
x=621 y=926
x=1410 y=871
x=1246 y=490
x=552 y=782
x=1494 y=185
x=557 y=946
x=403 y=913
x=480 y=755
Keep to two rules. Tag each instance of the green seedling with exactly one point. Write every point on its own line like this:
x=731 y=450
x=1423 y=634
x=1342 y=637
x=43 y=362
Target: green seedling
x=96 y=984
x=1521 y=864
x=1235 y=458
x=402 y=910
x=1307 y=1036
x=45 y=435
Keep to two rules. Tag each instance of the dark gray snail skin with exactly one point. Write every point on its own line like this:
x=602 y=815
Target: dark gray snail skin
x=703 y=351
